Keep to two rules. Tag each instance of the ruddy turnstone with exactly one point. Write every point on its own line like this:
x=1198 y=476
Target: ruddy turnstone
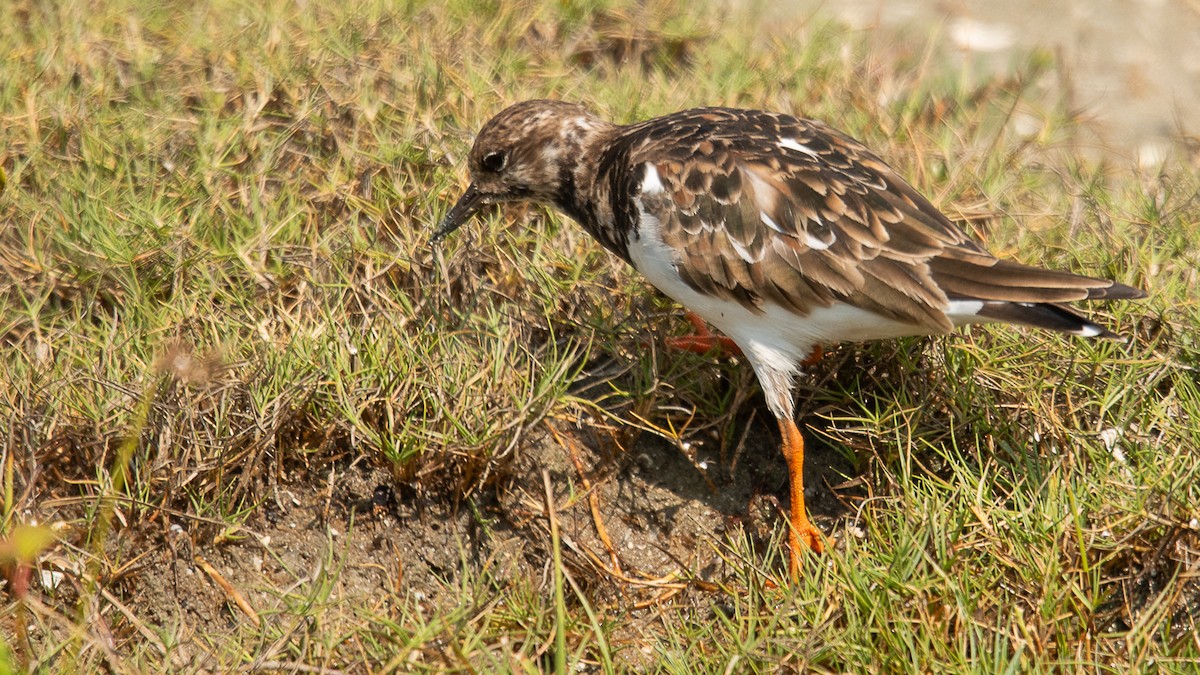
x=782 y=232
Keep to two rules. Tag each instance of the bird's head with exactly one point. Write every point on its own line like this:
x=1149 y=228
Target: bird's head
x=528 y=152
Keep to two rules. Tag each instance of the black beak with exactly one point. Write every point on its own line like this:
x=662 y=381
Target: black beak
x=463 y=209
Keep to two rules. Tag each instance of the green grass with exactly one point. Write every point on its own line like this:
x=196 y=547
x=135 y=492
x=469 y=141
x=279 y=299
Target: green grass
x=214 y=260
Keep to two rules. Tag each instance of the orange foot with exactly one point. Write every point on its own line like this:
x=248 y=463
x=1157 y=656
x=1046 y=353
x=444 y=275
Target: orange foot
x=805 y=535
x=704 y=341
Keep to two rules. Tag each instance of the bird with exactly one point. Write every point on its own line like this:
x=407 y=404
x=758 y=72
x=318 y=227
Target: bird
x=782 y=232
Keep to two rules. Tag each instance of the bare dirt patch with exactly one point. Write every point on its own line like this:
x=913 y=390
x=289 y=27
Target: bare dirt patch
x=356 y=537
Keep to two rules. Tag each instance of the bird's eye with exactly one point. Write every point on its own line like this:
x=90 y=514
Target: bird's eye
x=494 y=161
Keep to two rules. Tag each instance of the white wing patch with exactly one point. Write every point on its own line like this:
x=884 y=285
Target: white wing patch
x=816 y=243
x=745 y=252
x=651 y=182
x=964 y=308
x=770 y=222
x=791 y=144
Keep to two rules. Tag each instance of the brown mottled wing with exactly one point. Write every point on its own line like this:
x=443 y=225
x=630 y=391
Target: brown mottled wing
x=765 y=207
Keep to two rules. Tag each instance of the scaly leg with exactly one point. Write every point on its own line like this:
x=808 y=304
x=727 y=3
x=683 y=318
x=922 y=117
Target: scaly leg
x=801 y=532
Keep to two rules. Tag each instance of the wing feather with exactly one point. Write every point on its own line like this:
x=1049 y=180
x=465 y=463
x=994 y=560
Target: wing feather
x=762 y=207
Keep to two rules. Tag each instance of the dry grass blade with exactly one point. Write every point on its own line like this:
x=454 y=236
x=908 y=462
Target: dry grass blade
x=235 y=596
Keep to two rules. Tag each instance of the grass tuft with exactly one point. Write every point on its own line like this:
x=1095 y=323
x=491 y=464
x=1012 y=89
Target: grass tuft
x=270 y=428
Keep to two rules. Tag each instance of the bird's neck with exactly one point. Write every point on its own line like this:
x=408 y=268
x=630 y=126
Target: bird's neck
x=581 y=141
x=583 y=194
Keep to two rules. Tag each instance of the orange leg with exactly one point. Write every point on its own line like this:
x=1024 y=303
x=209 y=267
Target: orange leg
x=703 y=341
x=814 y=357
x=801 y=533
